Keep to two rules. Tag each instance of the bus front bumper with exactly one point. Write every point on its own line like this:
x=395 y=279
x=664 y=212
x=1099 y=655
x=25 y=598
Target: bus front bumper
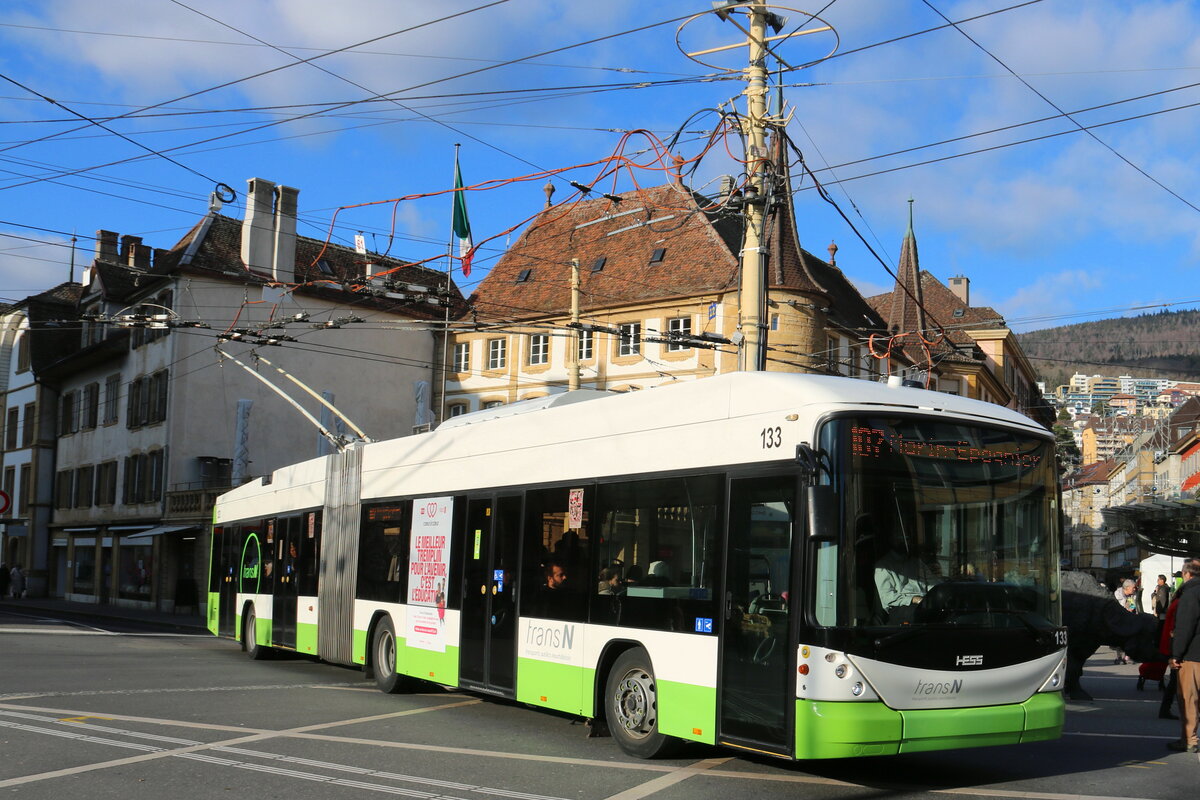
x=842 y=730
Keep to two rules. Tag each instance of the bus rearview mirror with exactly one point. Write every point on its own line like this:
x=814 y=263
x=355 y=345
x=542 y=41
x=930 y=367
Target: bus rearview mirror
x=822 y=513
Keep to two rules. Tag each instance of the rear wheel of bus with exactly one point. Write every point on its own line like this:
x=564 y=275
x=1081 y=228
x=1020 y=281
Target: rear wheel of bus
x=250 y=637
x=383 y=657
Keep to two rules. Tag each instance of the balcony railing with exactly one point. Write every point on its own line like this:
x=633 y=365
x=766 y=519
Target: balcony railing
x=192 y=503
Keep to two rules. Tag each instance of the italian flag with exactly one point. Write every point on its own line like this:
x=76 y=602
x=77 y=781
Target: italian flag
x=462 y=226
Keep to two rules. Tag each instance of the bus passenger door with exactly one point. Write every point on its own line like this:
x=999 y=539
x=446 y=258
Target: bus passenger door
x=487 y=647
x=226 y=567
x=287 y=564
x=755 y=681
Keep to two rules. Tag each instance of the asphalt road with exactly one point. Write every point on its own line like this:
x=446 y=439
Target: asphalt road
x=129 y=710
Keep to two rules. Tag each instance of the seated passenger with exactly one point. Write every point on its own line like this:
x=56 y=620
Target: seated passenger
x=902 y=579
x=610 y=581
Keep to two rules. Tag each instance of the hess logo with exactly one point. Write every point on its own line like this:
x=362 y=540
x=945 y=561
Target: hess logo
x=968 y=661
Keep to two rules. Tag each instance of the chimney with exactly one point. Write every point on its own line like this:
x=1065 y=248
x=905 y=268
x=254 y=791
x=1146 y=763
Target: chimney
x=961 y=286
x=106 y=246
x=258 y=227
x=129 y=245
x=283 y=266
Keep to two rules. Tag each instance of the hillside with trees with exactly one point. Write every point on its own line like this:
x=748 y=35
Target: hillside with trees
x=1165 y=344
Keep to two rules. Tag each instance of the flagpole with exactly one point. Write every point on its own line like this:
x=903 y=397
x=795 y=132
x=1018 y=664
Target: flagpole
x=446 y=325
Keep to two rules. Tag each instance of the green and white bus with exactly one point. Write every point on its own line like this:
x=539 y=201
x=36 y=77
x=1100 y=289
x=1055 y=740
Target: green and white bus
x=802 y=566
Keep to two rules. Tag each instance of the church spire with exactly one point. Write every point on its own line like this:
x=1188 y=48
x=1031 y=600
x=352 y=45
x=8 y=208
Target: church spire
x=907 y=307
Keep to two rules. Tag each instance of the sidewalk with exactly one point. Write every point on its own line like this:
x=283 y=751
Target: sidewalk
x=191 y=621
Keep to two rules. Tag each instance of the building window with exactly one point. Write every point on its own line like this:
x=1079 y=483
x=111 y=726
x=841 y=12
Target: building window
x=106 y=483
x=112 y=390
x=155 y=470
x=27 y=425
x=774 y=322
x=679 y=326
x=493 y=404
x=84 y=482
x=133 y=404
x=91 y=406
x=24 y=490
x=10 y=481
x=11 y=426
x=585 y=345
x=457 y=409
x=539 y=349
x=23 y=352
x=629 y=343
x=158 y=396
x=68 y=413
x=462 y=357
x=62 y=488
x=497 y=353
x=831 y=354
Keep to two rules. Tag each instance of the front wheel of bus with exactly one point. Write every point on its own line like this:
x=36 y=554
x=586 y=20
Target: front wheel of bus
x=631 y=705
x=383 y=661
x=250 y=637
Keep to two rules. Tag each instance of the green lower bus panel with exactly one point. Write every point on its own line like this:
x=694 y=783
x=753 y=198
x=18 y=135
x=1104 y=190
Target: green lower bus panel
x=358 y=646
x=559 y=686
x=306 y=638
x=687 y=711
x=214 y=611
x=839 y=730
x=265 y=630
x=428 y=665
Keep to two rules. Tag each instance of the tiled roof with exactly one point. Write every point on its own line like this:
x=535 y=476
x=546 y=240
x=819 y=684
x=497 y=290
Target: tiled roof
x=942 y=307
x=218 y=254
x=699 y=257
x=1089 y=474
x=615 y=243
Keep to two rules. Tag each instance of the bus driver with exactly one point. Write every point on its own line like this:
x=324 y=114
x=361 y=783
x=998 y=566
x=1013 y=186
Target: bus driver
x=902 y=578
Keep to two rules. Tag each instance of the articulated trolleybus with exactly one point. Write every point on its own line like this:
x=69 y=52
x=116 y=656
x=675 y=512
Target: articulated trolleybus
x=803 y=566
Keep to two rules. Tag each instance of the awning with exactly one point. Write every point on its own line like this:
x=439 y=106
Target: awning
x=1171 y=527
x=159 y=531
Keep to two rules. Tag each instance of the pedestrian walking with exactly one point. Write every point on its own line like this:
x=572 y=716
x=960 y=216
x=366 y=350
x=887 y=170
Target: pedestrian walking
x=1162 y=597
x=16 y=582
x=1185 y=657
x=1126 y=597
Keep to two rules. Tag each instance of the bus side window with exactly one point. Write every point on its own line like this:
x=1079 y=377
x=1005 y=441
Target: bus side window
x=383 y=551
x=556 y=569
x=663 y=537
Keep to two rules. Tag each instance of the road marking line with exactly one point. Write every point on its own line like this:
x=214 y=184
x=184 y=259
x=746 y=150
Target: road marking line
x=160 y=753
x=670 y=779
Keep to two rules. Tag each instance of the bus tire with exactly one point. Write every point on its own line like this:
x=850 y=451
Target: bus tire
x=250 y=637
x=631 y=707
x=383 y=657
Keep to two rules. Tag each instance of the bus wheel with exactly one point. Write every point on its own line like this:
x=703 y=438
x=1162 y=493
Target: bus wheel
x=250 y=638
x=383 y=661
x=631 y=705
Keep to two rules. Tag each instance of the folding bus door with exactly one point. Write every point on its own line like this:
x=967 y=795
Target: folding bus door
x=756 y=684
x=487 y=649
x=287 y=565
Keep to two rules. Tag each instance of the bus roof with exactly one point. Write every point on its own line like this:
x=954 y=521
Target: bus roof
x=685 y=425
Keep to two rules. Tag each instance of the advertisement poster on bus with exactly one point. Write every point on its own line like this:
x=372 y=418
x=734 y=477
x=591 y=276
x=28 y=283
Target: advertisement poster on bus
x=429 y=572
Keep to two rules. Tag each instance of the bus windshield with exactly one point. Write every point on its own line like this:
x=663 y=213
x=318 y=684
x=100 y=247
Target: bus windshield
x=945 y=523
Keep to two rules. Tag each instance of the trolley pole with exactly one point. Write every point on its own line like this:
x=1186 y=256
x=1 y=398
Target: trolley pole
x=573 y=339
x=752 y=287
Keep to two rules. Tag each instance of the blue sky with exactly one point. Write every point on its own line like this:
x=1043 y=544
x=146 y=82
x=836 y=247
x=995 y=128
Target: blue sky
x=1049 y=232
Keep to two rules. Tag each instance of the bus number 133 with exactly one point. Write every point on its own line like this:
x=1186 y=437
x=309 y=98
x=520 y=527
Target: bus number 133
x=771 y=438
